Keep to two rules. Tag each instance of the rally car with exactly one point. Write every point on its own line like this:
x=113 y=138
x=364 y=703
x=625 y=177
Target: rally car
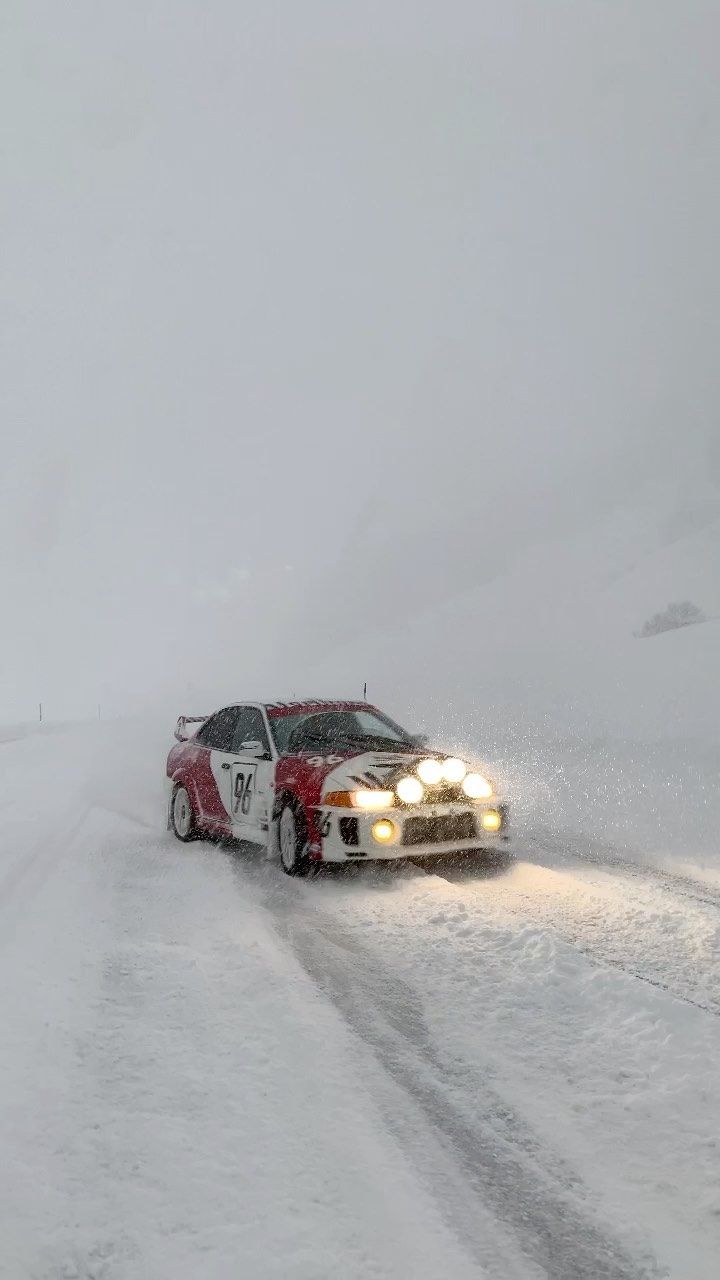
x=320 y=781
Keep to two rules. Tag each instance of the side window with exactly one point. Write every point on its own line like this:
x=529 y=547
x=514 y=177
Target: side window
x=250 y=728
x=202 y=734
x=218 y=732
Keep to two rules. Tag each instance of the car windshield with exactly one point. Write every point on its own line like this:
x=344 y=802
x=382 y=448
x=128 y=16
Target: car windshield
x=333 y=729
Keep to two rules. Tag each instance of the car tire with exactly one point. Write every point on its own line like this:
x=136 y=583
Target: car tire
x=292 y=841
x=182 y=815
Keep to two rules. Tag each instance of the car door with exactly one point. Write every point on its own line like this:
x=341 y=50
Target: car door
x=253 y=775
x=215 y=749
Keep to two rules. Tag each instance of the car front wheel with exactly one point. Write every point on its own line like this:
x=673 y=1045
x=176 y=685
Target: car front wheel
x=292 y=839
x=182 y=815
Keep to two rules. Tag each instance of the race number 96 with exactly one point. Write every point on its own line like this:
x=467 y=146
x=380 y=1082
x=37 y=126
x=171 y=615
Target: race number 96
x=243 y=792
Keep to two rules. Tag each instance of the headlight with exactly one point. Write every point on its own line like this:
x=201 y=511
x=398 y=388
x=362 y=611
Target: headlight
x=453 y=770
x=367 y=800
x=431 y=772
x=476 y=787
x=372 y=799
x=410 y=790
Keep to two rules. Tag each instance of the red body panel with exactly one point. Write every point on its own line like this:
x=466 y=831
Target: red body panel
x=189 y=763
x=303 y=776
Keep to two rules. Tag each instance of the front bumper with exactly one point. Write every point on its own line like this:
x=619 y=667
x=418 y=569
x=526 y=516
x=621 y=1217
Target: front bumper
x=355 y=843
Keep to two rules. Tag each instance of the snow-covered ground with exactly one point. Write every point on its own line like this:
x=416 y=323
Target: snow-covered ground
x=209 y=1070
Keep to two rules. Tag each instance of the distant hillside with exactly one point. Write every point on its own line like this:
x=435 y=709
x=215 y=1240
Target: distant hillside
x=550 y=641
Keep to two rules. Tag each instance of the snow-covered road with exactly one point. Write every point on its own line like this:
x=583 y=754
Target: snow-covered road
x=208 y=1070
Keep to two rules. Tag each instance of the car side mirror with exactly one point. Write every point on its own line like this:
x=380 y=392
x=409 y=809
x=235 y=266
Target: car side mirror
x=420 y=739
x=253 y=747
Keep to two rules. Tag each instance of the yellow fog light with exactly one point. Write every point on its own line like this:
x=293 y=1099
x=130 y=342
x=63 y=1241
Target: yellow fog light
x=491 y=820
x=430 y=771
x=384 y=831
x=410 y=790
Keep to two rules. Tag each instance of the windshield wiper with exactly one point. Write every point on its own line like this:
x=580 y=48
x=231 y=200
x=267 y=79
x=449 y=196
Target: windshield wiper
x=360 y=740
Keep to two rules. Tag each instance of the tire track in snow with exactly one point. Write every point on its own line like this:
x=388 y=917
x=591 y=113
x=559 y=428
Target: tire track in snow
x=500 y=1162
x=594 y=945
x=32 y=870
x=712 y=1009
x=564 y=849
x=49 y=847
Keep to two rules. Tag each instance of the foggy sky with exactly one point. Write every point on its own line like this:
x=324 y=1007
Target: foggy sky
x=288 y=290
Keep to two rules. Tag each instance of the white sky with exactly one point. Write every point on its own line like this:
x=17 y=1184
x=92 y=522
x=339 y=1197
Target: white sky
x=286 y=286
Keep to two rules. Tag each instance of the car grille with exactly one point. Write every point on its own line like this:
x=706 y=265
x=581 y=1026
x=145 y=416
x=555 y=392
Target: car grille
x=448 y=827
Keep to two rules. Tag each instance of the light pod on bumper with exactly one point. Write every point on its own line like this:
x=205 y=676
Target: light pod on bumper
x=410 y=790
x=491 y=820
x=454 y=770
x=476 y=787
x=430 y=772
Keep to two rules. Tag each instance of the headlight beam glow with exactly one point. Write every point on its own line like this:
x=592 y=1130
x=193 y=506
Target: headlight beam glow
x=430 y=772
x=384 y=831
x=372 y=799
x=410 y=790
x=476 y=787
x=454 y=770
x=491 y=820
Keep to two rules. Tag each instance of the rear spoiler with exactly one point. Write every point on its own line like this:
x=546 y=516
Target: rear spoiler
x=181 y=728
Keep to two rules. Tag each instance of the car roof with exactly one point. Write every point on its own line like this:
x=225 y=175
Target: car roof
x=299 y=705
x=312 y=704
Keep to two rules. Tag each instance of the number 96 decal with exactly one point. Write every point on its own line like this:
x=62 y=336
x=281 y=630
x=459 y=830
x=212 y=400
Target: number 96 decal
x=242 y=790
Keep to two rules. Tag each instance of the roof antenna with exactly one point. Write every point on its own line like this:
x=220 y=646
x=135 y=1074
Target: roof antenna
x=365 y=692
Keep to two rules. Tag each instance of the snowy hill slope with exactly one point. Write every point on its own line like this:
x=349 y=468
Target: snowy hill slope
x=541 y=668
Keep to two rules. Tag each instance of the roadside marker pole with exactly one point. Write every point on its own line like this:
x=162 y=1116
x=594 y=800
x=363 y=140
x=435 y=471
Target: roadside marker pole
x=40 y=706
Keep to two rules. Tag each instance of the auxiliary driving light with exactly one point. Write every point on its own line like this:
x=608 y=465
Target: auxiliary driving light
x=431 y=772
x=383 y=831
x=410 y=790
x=491 y=820
x=454 y=770
x=476 y=787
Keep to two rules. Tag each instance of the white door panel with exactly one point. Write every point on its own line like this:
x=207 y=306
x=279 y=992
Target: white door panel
x=221 y=763
x=252 y=794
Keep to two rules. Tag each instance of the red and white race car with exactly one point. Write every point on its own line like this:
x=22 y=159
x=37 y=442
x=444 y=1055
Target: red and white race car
x=325 y=782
